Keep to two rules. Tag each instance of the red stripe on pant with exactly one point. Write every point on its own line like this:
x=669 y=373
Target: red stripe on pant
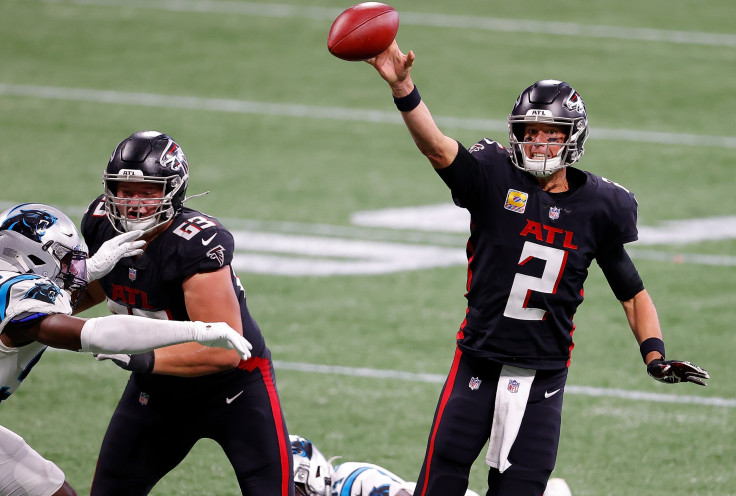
x=265 y=367
x=440 y=410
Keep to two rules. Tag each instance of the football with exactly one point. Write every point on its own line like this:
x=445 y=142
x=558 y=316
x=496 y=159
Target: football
x=363 y=31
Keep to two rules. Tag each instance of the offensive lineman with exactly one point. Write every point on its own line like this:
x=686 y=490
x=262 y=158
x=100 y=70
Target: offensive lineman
x=178 y=395
x=536 y=226
x=43 y=272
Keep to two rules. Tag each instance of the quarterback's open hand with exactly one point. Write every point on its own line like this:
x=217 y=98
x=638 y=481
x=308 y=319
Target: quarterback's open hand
x=673 y=371
x=111 y=251
x=221 y=335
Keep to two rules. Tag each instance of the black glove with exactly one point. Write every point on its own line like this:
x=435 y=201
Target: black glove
x=673 y=371
x=139 y=362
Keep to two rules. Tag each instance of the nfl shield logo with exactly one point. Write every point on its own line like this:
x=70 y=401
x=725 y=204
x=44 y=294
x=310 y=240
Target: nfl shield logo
x=143 y=399
x=554 y=213
x=474 y=383
x=513 y=386
x=132 y=274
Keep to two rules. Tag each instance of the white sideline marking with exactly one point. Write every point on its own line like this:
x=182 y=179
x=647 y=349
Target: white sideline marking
x=329 y=113
x=429 y=20
x=569 y=389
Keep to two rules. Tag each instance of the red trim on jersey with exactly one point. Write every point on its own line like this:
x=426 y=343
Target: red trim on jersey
x=471 y=254
x=572 y=345
x=265 y=367
x=440 y=410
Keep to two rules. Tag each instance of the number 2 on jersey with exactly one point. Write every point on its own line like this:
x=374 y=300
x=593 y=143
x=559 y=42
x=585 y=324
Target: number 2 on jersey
x=521 y=289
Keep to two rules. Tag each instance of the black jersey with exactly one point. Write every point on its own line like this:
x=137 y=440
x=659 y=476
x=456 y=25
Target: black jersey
x=529 y=253
x=151 y=284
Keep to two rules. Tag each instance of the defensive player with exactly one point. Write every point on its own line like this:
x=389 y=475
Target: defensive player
x=316 y=476
x=43 y=271
x=536 y=226
x=184 y=393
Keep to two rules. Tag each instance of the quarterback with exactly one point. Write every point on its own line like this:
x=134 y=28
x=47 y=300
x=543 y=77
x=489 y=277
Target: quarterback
x=43 y=275
x=537 y=224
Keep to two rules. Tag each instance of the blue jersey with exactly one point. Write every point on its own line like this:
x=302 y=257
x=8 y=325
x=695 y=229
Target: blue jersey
x=529 y=252
x=24 y=300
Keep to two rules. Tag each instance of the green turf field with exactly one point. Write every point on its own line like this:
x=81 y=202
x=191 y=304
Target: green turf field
x=296 y=146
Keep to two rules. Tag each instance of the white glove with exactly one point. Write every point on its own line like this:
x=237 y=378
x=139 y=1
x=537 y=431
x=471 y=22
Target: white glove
x=111 y=251
x=221 y=335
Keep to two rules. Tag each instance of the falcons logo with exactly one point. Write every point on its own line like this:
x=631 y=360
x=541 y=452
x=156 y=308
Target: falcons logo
x=217 y=253
x=173 y=158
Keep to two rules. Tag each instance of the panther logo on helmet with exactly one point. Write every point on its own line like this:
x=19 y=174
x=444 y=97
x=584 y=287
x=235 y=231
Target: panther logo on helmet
x=30 y=223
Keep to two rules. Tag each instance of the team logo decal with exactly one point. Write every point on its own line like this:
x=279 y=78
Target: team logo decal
x=217 y=253
x=132 y=274
x=30 y=223
x=513 y=386
x=476 y=148
x=43 y=291
x=474 y=383
x=143 y=399
x=516 y=201
x=575 y=103
x=554 y=213
x=174 y=158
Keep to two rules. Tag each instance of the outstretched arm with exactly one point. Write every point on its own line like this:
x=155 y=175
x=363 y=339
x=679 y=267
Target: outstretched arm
x=395 y=67
x=132 y=334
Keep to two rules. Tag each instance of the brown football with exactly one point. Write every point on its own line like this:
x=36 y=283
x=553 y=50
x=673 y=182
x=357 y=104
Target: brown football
x=363 y=31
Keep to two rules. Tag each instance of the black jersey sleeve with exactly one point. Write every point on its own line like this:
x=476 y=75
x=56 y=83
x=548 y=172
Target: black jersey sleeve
x=622 y=210
x=92 y=222
x=620 y=273
x=206 y=245
x=470 y=173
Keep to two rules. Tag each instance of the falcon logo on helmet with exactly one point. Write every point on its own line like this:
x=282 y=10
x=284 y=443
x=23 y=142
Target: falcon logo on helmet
x=174 y=158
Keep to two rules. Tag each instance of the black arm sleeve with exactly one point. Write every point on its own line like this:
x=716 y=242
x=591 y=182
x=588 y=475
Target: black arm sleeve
x=620 y=273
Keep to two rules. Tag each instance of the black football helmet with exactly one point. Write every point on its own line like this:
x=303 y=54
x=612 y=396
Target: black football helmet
x=39 y=239
x=149 y=157
x=553 y=102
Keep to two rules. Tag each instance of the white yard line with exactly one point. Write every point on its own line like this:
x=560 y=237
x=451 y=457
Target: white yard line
x=327 y=113
x=439 y=379
x=443 y=21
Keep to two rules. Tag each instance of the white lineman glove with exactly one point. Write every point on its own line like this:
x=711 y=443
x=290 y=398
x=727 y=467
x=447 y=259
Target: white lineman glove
x=221 y=335
x=111 y=251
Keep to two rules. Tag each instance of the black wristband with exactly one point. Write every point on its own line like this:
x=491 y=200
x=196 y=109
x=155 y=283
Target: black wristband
x=409 y=102
x=649 y=345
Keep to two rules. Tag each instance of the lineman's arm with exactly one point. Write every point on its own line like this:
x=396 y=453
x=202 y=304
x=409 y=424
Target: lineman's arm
x=208 y=296
x=395 y=67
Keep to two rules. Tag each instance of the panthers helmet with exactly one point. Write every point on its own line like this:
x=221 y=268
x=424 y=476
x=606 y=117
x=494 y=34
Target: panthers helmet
x=312 y=472
x=146 y=157
x=40 y=239
x=552 y=102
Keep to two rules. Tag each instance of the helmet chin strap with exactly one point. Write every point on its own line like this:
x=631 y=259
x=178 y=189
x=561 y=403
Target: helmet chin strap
x=542 y=168
x=143 y=225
